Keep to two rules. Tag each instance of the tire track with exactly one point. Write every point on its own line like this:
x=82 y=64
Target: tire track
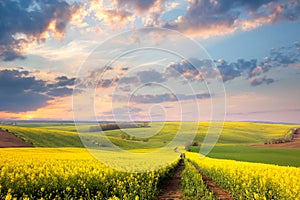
x=213 y=187
x=172 y=188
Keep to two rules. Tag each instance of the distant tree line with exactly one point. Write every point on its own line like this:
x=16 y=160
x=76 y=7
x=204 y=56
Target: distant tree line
x=288 y=137
x=8 y=123
x=113 y=126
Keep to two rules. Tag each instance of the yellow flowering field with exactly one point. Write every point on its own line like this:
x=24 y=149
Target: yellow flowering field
x=71 y=173
x=251 y=180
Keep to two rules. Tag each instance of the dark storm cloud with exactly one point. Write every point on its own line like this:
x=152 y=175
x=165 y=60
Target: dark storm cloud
x=25 y=21
x=207 y=17
x=21 y=91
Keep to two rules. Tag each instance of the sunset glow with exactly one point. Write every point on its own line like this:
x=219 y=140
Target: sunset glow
x=254 y=46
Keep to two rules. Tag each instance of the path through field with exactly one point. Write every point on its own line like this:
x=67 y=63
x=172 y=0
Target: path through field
x=213 y=187
x=172 y=189
x=9 y=140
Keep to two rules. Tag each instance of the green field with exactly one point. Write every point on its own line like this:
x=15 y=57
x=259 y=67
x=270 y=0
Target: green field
x=234 y=142
x=279 y=156
x=59 y=167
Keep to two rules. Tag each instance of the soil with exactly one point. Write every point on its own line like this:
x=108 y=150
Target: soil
x=9 y=140
x=294 y=144
x=172 y=189
x=213 y=187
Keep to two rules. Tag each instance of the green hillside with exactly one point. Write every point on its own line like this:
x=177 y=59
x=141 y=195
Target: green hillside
x=234 y=142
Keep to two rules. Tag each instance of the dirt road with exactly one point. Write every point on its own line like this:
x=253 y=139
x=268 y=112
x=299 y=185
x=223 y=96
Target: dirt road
x=9 y=140
x=294 y=144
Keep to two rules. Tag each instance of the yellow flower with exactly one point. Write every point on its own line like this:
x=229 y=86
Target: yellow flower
x=68 y=189
x=8 y=197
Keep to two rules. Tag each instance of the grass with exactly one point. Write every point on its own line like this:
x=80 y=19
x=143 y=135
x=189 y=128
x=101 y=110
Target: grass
x=45 y=136
x=278 y=156
x=234 y=141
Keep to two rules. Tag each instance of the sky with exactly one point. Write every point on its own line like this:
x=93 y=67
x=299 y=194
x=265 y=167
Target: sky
x=153 y=60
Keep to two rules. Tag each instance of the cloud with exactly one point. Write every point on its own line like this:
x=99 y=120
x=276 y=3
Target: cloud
x=215 y=17
x=228 y=71
x=138 y=5
x=65 y=81
x=200 y=17
x=21 y=91
x=141 y=77
x=159 y=98
x=123 y=110
x=118 y=17
x=128 y=80
x=60 y=92
x=156 y=98
x=266 y=111
x=253 y=70
x=106 y=83
x=150 y=76
x=24 y=22
x=192 y=69
x=121 y=12
x=75 y=49
x=195 y=70
x=255 y=81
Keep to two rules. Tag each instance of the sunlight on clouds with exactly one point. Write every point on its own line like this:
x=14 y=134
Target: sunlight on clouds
x=112 y=16
x=173 y=5
x=58 y=109
x=207 y=32
x=78 y=49
x=259 y=21
x=78 y=17
x=52 y=28
x=63 y=33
